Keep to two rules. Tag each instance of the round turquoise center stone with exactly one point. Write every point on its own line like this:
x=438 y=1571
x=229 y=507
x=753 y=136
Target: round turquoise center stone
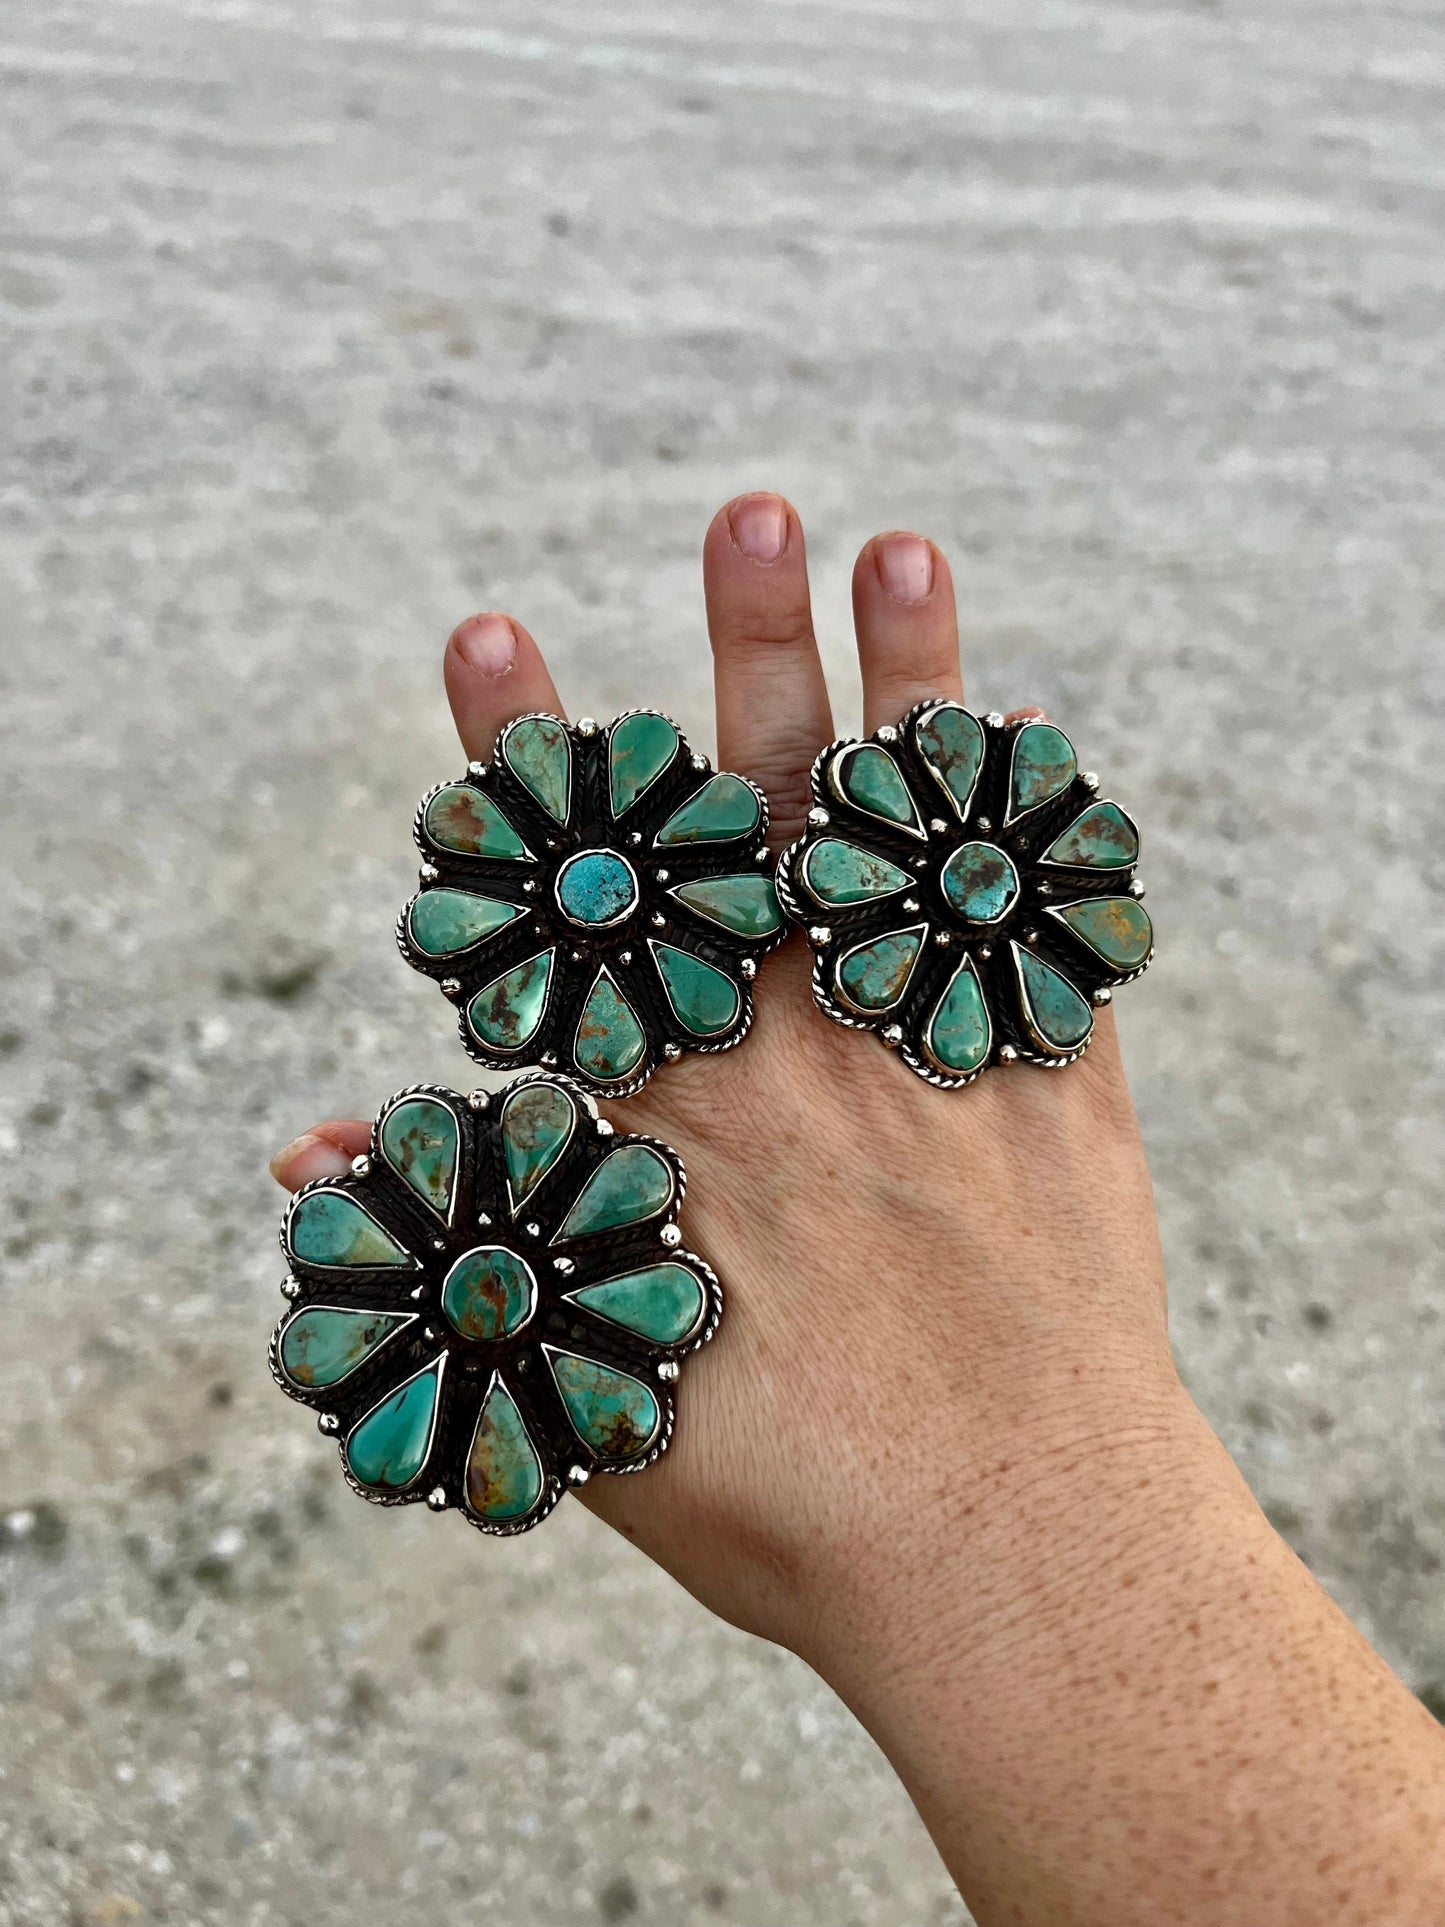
x=980 y=883
x=489 y=1293
x=596 y=887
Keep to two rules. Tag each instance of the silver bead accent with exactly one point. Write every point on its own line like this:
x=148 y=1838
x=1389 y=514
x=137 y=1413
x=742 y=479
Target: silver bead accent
x=532 y=1230
x=659 y=921
x=699 y=762
x=1031 y=936
x=672 y=1052
x=604 y=1129
x=429 y=873
x=888 y=734
x=328 y=1425
x=576 y=956
x=476 y=769
x=451 y=987
x=484 y=1218
x=763 y=855
x=669 y=1371
x=994 y=719
x=437 y=1498
x=529 y=888
x=290 y=1288
x=1136 y=888
x=748 y=968
x=438 y=1244
x=942 y=938
x=429 y=1333
x=938 y=826
x=548 y=1059
x=984 y=824
x=818 y=819
x=819 y=933
x=892 y=1034
x=624 y=956
x=910 y=905
x=661 y=875
x=564 y=1265
x=478 y=1100
x=985 y=951
x=1007 y=1054
x=418 y=1294
x=586 y=726
x=1046 y=889
x=577 y=1475
x=1089 y=780
x=671 y=1236
x=1104 y=995
x=636 y=839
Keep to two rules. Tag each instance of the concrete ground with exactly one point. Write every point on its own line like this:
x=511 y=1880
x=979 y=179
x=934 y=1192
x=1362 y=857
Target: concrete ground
x=323 y=322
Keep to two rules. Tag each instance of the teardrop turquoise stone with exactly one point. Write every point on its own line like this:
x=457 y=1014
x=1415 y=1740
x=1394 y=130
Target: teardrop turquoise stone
x=1117 y=929
x=639 y=750
x=421 y=1141
x=724 y=808
x=1043 y=767
x=959 y=1032
x=537 y=752
x=445 y=921
x=1101 y=838
x=837 y=873
x=950 y=741
x=489 y=1293
x=875 y=975
x=747 y=905
x=980 y=882
x=508 y=1011
x=1054 y=1010
x=609 y=1042
x=631 y=1184
x=504 y=1473
x=612 y=1412
x=705 y=1000
x=870 y=778
x=664 y=1303
x=323 y=1345
x=463 y=819
x=330 y=1228
x=389 y=1447
x=537 y=1122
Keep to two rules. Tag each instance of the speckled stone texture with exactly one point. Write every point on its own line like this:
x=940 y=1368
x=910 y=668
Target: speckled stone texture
x=322 y=326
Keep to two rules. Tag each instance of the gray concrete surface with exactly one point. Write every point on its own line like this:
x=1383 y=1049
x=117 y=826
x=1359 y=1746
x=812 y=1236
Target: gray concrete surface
x=327 y=321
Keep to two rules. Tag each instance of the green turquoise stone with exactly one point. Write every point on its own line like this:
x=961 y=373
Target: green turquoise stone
x=704 y=1000
x=537 y=1122
x=631 y=1184
x=747 y=905
x=664 y=1303
x=508 y=1011
x=838 y=873
x=875 y=975
x=331 y=1228
x=612 y=1412
x=596 y=887
x=461 y=818
x=1101 y=838
x=504 y=1473
x=537 y=752
x=1043 y=767
x=1116 y=929
x=723 y=809
x=869 y=777
x=950 y=741
x=640 y=749
x=609 y=1040
x=444 y=921
x=489 y=1293
x=389 y=1447
x=322 y=1345
x=980 y=882
x=959 y=1031
x=1054 y=1011
x=421 y=1141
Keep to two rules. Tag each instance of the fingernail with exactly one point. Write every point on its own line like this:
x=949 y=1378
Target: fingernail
x=760 y=526
x=307 y=1158
x=487 y=644
x=905 y=566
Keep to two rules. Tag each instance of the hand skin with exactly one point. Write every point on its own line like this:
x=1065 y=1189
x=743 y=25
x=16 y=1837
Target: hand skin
x=939 y=1448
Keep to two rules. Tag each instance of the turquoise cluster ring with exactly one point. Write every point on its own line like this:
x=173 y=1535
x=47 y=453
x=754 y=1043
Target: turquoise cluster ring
x=968 y=894
x=594 y=899
x=493 y=1304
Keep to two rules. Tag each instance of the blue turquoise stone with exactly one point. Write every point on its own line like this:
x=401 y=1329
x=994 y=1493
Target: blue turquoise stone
x=489 y=1293
x=331 y=1228
x=389 y=1447
x=704 y=1000
x=537 y=1122
x=1100 y=838
x=1054 y=1011
x=508 y=1012
x=664 y=1302
x=631 y=1184
x=724 y=809
x=875 y=975
x=609 y=1042
x=596 y=887
x=747 y=905
x=421 y=1140
x=537 y=751
x=614 y=1414
x=323 y=1344
x=838 y=873
x=640 y=748
x=504 y=1473
x=950 y=741
x=869 y=777
x=1042 y=767
x=1117 y=929
x=959 y=1032
x=980 y=882
x=466 y=820
x=442 y=922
